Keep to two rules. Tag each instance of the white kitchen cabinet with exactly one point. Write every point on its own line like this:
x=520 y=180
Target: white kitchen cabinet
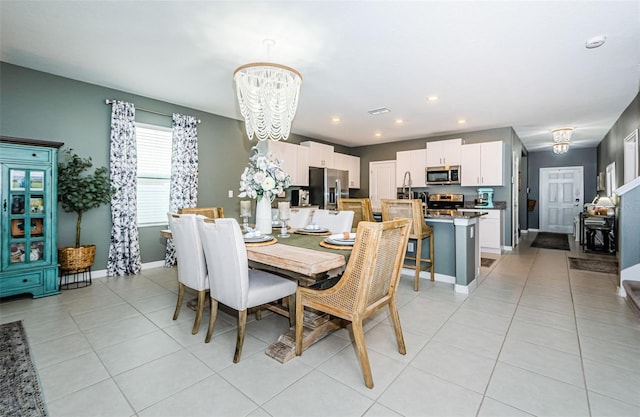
x=293 y=159
x=320 y=155
x=443 y=152
x=489 y=230
x=413 y=162
x=302 y=166
x=348 y=163
x=482 y=164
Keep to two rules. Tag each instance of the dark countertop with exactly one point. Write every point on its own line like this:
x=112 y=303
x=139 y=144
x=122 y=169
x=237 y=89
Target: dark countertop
x=497 y=205
x=453 y=214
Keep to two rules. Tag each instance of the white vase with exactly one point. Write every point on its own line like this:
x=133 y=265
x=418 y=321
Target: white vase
x=263 y=215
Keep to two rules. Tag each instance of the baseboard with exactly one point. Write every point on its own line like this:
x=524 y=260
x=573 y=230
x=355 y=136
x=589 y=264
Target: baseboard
x=524 y=231
x=507 y=248
x=102 y=273
x=466 y=289
x=534 y=230
x=427 y=275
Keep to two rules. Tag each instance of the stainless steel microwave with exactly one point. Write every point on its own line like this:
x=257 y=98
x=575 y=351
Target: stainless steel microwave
x=442 y=175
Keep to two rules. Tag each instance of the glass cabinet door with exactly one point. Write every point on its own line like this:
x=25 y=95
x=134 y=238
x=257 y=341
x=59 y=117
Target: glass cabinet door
x=26 y=216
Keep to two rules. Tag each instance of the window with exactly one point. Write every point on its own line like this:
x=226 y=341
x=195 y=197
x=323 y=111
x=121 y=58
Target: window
x=154 y=173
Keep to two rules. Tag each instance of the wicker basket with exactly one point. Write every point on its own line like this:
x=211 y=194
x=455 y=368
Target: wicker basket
x=72 y=259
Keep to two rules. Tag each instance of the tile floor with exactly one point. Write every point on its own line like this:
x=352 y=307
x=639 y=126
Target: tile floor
x=535 y=338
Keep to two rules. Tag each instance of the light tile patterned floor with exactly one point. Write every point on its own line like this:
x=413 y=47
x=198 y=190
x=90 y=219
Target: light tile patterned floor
x=535 y=338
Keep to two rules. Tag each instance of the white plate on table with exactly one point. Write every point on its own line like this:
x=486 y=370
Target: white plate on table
x=320 y=230
x=338 y=239
x=258 y=239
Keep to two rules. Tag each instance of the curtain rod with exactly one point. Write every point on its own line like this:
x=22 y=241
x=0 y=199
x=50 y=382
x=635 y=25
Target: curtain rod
x=110 y=101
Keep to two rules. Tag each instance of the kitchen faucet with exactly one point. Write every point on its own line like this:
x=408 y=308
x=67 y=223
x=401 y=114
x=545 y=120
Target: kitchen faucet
x=406 y=184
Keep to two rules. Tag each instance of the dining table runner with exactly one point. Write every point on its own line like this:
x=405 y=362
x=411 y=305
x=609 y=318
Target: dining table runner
x=311 y=242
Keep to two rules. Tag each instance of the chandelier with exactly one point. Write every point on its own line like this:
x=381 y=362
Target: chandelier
x=268 y=98
x=561 y=140
x=560 y=148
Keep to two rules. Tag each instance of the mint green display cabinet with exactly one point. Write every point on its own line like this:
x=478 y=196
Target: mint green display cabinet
x=28 y=258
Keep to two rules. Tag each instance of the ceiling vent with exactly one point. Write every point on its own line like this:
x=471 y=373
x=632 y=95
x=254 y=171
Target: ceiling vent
x=381 y=110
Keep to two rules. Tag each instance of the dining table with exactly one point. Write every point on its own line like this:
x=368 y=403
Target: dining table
x=307 y=258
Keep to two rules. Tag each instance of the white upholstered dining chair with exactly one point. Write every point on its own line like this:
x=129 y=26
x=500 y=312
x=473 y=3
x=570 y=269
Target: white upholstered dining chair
x=232 y=282
x=300 y=217
x=335 y=221
x=192 y=268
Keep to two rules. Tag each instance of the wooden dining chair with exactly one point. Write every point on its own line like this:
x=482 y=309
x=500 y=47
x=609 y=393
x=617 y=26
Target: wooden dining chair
x=192 y=268
x=210 y=212
x=232 y=283
x=361 y=208
x=420 y=230
x=369 y=283
x=335 y=221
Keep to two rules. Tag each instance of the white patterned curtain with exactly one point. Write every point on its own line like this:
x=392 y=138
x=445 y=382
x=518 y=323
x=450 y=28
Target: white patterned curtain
x=124 y=251
x=184 y=171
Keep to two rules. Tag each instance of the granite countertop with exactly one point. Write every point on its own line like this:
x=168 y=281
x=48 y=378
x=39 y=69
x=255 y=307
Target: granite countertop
x=453 y=214
x=497 y=205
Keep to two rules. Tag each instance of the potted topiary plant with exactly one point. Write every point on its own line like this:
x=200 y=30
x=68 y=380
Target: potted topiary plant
x=79 y=191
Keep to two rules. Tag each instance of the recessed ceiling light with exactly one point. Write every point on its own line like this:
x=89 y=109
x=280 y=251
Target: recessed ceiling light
x=335 y=119
x=462 y=121
x=595 y=42
x=381 y=110
x=432 y=98
x=399 y=121
x=377 y=134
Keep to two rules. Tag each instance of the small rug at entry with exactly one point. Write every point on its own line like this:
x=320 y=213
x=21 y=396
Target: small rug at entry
x=19 y=385
x=486 y=262
x=594 y=265
x=546 y=240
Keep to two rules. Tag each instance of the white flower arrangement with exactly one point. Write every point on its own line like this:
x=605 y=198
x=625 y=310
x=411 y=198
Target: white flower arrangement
x=263 y=177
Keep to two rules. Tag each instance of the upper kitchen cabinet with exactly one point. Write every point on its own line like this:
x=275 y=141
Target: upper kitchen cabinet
x=482 y=164
x=293 y=159
x=444 y=152
x=348 y=163
x=320 y=155
x=412 y=162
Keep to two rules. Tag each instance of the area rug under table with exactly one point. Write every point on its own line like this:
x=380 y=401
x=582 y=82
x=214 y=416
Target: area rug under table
x=546 y=240
x=594 y=265
x=21 y=394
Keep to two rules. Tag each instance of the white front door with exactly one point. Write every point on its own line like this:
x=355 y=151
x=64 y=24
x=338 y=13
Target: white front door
x=561 y=198
x=382 y=182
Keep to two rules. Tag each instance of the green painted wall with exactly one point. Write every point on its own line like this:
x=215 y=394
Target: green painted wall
x=611 y=149
x=38 y=105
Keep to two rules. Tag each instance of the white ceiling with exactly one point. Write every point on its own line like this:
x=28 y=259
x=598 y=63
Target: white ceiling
x=494 y=64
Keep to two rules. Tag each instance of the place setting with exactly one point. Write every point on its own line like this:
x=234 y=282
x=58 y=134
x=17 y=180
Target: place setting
x=256 y=238
x=313 y=229
x=340 y=241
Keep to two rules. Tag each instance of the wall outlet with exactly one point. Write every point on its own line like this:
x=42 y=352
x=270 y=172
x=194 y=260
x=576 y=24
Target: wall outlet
x=230 y=193
x=410 y=247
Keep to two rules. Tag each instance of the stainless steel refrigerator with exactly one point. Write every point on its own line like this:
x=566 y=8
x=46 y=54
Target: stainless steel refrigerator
x=326 y=185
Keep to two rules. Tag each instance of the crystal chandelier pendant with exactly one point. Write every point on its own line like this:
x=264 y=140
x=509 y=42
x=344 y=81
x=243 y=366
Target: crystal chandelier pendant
x=560 y=148
x=268 y=98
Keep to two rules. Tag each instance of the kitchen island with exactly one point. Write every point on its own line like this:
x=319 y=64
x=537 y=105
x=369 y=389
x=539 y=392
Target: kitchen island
x=456 y=247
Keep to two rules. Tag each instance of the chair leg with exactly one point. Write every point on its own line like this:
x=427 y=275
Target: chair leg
x=433 y=265
x=395 y=319
x=416 y=278
x=242 y=326
x=212 y=319
x=199 y=309
x=299 y=323
x=259 y=313
x=292 y=309
x=358 y=335
x=179 y=302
